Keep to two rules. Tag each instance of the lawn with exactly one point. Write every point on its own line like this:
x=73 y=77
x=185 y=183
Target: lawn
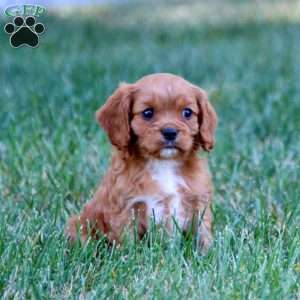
x=53 y=153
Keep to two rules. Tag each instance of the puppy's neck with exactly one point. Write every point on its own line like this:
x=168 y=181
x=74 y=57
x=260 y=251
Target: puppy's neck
x=134 y=159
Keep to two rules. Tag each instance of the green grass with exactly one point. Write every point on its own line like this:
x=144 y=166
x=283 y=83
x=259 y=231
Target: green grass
x=53 y=154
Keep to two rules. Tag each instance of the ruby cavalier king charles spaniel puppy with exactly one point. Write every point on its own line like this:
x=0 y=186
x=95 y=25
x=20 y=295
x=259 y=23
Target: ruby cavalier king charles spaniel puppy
x=156 y=127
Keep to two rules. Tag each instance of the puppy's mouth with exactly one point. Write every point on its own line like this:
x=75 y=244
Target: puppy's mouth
x=169 y=150
x=169 y=145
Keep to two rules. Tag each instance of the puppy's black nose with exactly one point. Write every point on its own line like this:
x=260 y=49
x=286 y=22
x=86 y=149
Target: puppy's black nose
x=169 y=133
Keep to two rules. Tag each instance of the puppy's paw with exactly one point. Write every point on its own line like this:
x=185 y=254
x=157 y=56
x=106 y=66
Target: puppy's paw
x=205 y=240
x=73 y=228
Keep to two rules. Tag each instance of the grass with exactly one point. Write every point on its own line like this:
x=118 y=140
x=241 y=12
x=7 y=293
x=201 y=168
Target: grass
x=52 y=153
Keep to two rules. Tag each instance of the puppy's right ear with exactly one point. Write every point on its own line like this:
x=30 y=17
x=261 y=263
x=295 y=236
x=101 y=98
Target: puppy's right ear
x=114 y=116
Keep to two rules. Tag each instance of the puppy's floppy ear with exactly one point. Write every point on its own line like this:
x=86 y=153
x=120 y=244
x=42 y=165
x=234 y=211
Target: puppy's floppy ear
x=113 y=116
x=207 y=120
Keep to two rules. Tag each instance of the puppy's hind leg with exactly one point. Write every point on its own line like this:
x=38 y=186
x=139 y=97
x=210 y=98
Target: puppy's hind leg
x=73 y=228
x=89 y=223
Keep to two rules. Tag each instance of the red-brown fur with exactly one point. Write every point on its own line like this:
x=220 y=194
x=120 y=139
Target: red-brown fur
x=136 y=142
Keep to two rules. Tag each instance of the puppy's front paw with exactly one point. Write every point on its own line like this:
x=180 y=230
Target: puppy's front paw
x=205 y=240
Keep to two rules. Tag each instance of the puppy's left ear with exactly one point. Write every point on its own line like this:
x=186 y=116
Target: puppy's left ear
x=207 y=120
x=113 y=116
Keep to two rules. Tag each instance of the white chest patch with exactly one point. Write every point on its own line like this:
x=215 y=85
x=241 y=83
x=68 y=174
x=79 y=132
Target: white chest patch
x=166 y=174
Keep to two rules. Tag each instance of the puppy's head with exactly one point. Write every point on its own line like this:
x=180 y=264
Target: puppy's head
x=161 y=116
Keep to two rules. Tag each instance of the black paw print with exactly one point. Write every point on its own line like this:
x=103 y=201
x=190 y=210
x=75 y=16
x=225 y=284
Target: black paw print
x=24 y=33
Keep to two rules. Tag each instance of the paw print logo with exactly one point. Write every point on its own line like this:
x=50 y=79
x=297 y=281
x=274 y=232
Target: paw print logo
x=24 y=32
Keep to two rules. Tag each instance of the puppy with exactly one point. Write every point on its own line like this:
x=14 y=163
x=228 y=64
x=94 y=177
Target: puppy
x=156 y=127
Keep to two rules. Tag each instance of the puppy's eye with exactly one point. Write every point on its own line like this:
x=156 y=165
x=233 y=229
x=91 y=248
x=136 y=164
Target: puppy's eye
x=148 y=113
x=187 y=113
